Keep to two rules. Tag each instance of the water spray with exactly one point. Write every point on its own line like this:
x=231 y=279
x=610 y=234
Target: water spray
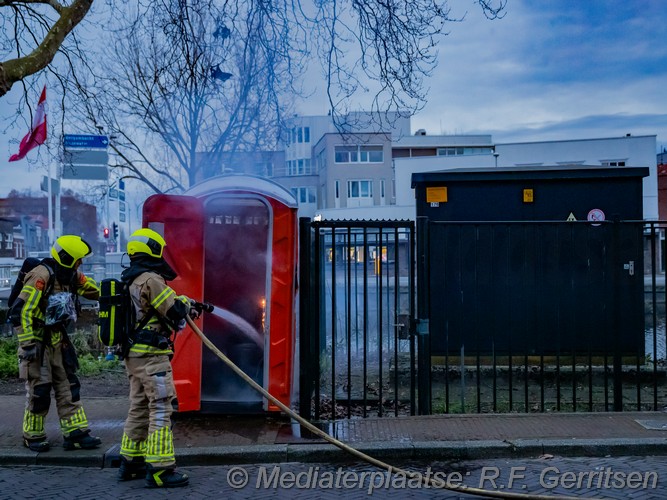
x=428 y=481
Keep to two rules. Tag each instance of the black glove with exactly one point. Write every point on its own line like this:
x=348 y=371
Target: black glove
x=197 y=308
x=31 y=352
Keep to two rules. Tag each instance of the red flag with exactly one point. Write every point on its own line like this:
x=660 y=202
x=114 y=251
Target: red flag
x=37 y=134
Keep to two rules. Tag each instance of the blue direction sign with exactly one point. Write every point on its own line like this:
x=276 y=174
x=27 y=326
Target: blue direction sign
x=85 y=141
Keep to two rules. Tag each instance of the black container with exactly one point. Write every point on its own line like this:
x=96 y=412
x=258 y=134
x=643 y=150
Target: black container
x=532 y=260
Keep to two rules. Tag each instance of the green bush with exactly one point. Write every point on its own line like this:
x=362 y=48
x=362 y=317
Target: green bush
x=87 y=347
x=90 y=366
x=9 y=363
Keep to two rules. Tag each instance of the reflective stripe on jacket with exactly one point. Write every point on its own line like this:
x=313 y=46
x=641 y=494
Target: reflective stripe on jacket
x=150 y=292
x=34 y=301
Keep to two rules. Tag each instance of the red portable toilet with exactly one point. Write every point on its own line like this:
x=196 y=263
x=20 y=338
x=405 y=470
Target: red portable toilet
x=233 y=242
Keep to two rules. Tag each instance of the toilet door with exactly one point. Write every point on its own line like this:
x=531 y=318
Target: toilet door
x=180 y=220
x=237 y=257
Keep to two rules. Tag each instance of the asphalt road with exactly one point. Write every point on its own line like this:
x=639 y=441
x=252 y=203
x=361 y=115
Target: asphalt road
x=611 y=477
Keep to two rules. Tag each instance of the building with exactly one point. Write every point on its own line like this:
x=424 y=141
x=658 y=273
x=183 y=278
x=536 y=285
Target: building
x=423 y=153
x=30 y=214
x=342 y=165
x=361 y=167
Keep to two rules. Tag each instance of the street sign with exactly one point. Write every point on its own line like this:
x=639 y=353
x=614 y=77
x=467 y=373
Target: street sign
x=113 y=193
x=84 y=157
x=85 y=172
x=55 y=185
x=121 y=216
x=85 y=141
x=121 y=206
x=121 y=184
x=121 y=195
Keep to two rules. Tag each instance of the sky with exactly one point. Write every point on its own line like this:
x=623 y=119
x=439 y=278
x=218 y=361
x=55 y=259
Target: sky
x=552 y=70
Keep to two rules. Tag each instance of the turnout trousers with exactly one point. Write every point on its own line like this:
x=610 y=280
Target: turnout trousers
x=42 y=375
x=147 y=432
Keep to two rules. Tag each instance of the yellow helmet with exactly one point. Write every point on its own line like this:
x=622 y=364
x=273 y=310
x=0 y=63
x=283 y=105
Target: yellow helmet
x=68 y=249
x=146 y=241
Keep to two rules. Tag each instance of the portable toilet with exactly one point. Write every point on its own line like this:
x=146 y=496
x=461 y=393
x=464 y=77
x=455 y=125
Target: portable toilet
x=233 y=242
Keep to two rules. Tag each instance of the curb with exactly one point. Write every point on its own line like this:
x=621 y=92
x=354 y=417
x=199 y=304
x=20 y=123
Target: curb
x=387 y=452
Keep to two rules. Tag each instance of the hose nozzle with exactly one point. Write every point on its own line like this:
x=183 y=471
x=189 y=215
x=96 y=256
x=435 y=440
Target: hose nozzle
x=204 y=307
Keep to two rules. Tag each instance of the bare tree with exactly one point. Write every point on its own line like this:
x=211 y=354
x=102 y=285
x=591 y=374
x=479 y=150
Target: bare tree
x=187 y=82
x=183 y=78
x=35 y=30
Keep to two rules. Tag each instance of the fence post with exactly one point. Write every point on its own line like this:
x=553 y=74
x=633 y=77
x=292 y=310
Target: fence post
x=423 y=334
x=305 y=330
x=616 y=335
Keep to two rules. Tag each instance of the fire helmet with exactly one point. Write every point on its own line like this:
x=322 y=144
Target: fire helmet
x=68 y=249
x=146 y=241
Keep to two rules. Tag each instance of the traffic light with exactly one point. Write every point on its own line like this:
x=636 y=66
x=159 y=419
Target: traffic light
x=106 y=232
x=115 y=231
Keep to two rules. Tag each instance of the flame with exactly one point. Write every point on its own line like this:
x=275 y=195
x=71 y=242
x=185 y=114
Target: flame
x=262 y=305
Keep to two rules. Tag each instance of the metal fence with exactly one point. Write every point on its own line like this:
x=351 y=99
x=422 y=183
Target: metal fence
x=357 y=298
x=481 y=317
x=542 y=316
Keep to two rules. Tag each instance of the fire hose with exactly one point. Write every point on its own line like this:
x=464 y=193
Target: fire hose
x=426 y=480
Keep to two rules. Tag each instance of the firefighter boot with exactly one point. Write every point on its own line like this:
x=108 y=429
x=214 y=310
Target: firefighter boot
x=79 y=439
x=165 y=478
x=131 y=469
x=36 y=444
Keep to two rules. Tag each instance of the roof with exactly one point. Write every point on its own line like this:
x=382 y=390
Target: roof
x=444 y=141
x=245 y=183
x=526 y=173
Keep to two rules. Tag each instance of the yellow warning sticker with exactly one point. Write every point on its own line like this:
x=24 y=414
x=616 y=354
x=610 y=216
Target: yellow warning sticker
x=528 y=196
x=571 y=217
x=436 y=194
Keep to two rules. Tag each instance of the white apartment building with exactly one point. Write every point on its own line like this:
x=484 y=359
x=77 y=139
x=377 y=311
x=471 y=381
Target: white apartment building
x=340 y=167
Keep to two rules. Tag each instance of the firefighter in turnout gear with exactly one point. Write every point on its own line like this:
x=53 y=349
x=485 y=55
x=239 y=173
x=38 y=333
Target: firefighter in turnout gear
x=47 y=303
x=147 y=448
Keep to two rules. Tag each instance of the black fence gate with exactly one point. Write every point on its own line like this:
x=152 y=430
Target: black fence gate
x=357 y=299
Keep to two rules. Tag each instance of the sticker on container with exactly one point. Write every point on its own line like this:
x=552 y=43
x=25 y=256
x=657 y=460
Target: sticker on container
x=596 y=215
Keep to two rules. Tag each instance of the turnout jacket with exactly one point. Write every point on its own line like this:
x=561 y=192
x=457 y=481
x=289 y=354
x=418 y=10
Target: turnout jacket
x=33 y=301
x=151 y=295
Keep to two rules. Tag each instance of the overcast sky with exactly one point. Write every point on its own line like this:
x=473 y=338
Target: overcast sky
x=552 y=70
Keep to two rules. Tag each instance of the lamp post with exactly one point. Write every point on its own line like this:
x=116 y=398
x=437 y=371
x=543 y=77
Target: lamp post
x=495 y=157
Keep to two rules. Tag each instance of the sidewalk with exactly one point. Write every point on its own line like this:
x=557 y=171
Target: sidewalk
x=242 y=439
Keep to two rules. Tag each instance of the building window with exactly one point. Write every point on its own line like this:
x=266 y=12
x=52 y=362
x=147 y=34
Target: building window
x=461 y=151
x=298 y=135
x=613 y=163
x=304 y=194
x=359 y=189
x=345 y=154
x=322 y=160
x=358 y=154
x=301 y=166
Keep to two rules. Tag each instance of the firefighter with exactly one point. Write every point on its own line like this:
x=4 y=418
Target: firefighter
x=47 y=361
x=147 y=448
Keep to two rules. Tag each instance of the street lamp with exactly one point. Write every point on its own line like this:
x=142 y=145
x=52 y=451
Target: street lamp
x=495 y=157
